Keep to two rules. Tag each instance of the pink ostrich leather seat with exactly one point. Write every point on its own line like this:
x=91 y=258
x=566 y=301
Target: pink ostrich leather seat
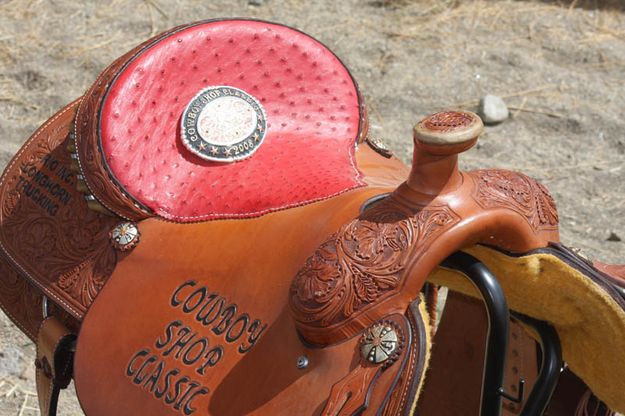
x=114 y=256
x=311 y=120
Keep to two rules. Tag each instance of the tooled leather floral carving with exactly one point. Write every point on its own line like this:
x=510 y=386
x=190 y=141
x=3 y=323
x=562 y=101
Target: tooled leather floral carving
x=81 y=282
x=364 y=261
x=37 y=151
x=448 y=121
x=21 y=301
x=46 y=227
x=497 y=188
x=17 y=298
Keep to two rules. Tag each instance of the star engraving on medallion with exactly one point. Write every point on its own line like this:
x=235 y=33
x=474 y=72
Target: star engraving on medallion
x=209 y=132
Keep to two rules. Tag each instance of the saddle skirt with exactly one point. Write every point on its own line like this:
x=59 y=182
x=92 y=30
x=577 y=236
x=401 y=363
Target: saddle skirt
x=214 y=223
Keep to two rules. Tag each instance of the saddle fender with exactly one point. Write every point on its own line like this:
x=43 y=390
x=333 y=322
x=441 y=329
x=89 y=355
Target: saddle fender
x=206 y=315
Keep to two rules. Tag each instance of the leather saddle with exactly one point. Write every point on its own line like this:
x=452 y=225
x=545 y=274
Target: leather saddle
x=210 y=230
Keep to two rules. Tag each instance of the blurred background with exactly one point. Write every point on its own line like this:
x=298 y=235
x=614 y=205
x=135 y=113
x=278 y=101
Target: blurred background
x=558 y=69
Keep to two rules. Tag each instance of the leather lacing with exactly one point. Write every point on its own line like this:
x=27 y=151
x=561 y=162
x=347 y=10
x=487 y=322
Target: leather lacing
x=589 y=405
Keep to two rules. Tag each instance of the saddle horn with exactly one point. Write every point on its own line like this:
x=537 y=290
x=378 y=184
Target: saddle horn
x=224 y=152
x=376 y=264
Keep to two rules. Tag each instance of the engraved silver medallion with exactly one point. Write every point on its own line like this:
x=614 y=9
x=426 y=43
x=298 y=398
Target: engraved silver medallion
x=379 y=343
x=223 y=124
x=125 y=236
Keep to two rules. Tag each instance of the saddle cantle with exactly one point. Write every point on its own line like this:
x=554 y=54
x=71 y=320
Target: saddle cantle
x=309 y=115
x=213 y=222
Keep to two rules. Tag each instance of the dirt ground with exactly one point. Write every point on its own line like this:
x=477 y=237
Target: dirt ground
x=559 y=66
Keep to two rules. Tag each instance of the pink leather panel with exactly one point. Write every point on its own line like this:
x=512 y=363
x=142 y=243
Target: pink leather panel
x=313 y=115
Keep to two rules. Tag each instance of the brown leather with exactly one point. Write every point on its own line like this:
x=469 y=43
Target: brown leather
x=87 y=281
x=615 y=272
x=245 y=266
x=214 y=317
x=573 y=397
x=401 y=239
x=456 y=368
x=589 y=405
x=54 y=363
x=556 y=285
x=457 y=363
x=351 y=394
x=48 y=234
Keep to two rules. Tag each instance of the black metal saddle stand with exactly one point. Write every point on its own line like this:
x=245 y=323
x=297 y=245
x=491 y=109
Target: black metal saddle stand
x=497 y=340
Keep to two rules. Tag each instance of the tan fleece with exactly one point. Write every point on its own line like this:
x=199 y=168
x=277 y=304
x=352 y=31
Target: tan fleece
x=590 y=324
x=425 y=317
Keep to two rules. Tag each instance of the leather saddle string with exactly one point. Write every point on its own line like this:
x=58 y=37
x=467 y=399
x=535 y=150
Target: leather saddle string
x=54 y=363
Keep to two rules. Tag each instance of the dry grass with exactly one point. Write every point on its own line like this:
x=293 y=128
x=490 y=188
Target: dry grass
x=11 y=390
x=430 y=22
x=558 y=64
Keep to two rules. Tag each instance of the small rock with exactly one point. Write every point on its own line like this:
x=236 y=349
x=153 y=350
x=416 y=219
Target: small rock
x=493 y=110
x=11 y=362
x=256 y=2
x=614 y=237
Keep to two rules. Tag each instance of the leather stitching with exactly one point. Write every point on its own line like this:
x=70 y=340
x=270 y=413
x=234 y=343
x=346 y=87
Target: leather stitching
x=77 y=314
x=211 y=215
x=30 y=334
x=413 y=360
x=268 y=210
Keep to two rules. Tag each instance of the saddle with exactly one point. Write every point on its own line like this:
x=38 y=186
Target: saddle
x=210 y=230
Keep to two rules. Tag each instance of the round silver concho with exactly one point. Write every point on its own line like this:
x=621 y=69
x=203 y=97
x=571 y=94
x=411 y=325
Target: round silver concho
x=379 y=343
x=125 y=236
x=223 y=124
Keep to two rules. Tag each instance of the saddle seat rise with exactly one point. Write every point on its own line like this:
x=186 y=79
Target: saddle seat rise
x=214 y=223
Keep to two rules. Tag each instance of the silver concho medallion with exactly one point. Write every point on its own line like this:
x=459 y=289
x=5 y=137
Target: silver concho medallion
x=125 y=236
x=379 y=343
x=223 y=124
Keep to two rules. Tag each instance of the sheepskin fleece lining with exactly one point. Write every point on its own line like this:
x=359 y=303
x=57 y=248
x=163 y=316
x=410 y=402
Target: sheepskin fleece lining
x=589 y=322
x=425 y=318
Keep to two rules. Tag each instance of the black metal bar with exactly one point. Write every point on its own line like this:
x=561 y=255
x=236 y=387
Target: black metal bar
x=498 y=321
x=520 y=395
x=550 y=367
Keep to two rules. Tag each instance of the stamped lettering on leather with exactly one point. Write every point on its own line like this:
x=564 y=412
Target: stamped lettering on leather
x=158 y=369
x=46 y=191
x=223 y=124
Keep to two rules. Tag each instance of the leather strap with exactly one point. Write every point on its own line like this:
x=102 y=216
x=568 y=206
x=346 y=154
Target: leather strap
x=589 y=405
x=54 y=363
x=456 y=364
x=352 y=394
x=349 y=396
x=573 y=397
